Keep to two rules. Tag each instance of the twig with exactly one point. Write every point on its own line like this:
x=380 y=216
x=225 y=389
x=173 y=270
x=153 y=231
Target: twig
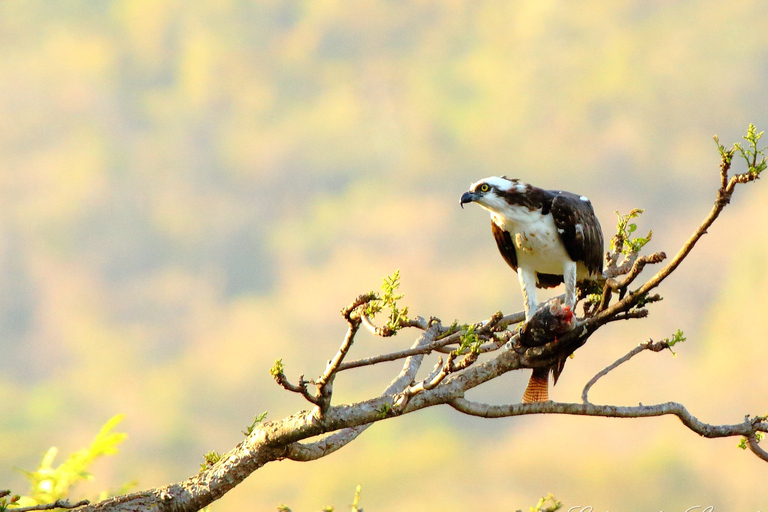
x=617 y=285
x=51 y=506
x=386 y=331
x=312 y=451
x=754 y=447
x=638 y=313
x=723 y=198
x=442 y=371
x=301 y=388
x=484 y=327
x=648 y=345
x=325 y=382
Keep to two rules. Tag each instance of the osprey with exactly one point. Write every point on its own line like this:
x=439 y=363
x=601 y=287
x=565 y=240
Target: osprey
x=548 y=237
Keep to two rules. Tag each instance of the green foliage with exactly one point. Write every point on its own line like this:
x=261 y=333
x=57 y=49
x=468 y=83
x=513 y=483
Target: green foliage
x=388 y=300
x=678 y=337
x=624 y=230
x=283 y=508
x=48 y=483
x=742 y=443
x=753 y=155
x=211 y=458
x=356 y=501
x=752 y=152
x=384 y=410
x=277 y=368
x=593 y=298
x=256 y=420
x=470 y=341
x=547 y=504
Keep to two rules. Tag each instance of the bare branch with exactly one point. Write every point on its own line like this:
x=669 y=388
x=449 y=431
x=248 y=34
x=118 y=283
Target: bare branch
x=311 y=451
x=635 y=270
x=325 y=382
x=301 y=388
x=755 y=448
x=747 y=428
x=51 y=506
x=305 y=452
x=648 y=345
x=385 y=331
x=496 y=323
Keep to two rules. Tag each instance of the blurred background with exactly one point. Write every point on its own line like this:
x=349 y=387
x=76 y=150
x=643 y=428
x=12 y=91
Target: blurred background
x=191 y=190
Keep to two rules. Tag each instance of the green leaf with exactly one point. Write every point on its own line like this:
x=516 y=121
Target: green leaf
x=470 y=341
x=388 y=300
x=624 y=229
x=49 y=483
x=256 y=420
x=211 y=458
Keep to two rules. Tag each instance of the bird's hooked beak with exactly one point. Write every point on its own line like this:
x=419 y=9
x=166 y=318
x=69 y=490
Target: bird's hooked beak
x=468 y=197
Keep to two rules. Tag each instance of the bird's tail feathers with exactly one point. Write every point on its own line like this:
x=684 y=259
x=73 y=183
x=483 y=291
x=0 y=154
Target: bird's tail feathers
x=538 y=386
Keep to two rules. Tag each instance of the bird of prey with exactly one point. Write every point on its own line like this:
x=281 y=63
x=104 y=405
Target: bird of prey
x=547 y=236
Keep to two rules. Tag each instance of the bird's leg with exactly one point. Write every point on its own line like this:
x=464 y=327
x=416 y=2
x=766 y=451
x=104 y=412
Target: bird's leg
x=528 y=286
x=569 y=278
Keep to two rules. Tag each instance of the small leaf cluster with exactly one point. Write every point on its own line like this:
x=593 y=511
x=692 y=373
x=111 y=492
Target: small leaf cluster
x=256 y=420
x=678 y=337
x=384 y=410
x=753 y=155
x=211 y=458
x=49 y=483
x=388 y=300
x=470 y=341
x=547 y=504
x=593 y=298
x=624 y=230
x=277 y=369
x=743 y=442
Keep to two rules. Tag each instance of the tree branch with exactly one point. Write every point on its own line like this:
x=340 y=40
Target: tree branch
x=747 y=428
x=496 y=323
x=449 y=381
x=51 y=506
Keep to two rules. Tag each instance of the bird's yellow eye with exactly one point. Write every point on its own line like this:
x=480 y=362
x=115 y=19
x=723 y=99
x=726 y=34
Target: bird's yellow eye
x=484 y=187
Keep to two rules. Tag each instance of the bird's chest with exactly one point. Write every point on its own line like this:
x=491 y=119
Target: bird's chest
x=536 y=240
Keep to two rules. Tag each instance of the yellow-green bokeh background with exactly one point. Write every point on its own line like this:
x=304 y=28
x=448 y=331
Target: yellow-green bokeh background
x=190 y=190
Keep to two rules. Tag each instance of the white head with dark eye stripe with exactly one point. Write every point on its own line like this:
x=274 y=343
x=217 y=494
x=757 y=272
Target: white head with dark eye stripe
x=489 y=192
